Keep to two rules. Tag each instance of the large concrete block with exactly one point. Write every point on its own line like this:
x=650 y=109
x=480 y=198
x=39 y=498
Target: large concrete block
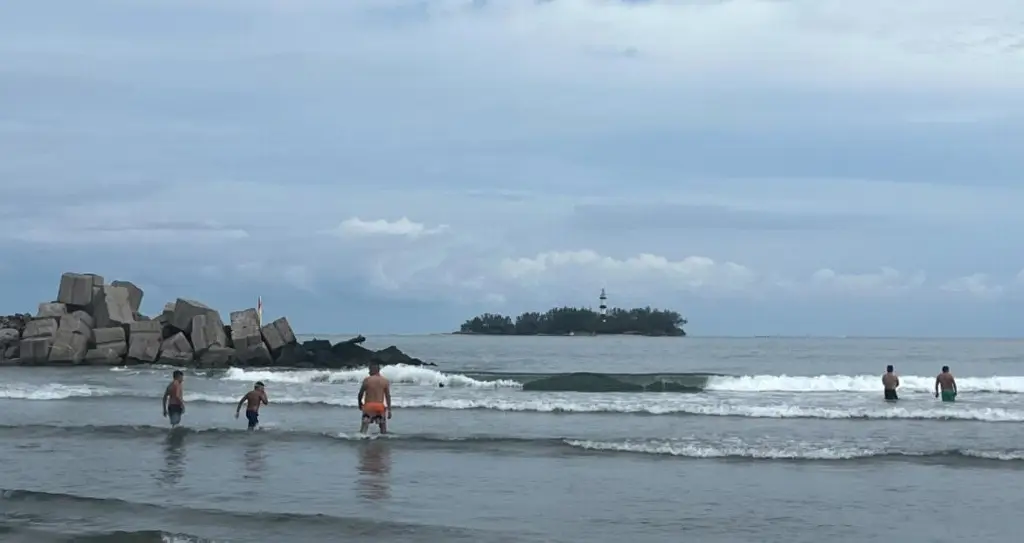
x=76 y=289
x=51 y=310
x=40 y=328
x=245 y=330
x=35 y=350
x=108 y=335
x=278 y=334
x=103 y=356
x=111 y=307
x=134 y=294
x=75 y=323
x=145 y=327
x=68 y=347
x=255 y=355
x=272 y=337
x=207 y=331
x=184 y=310
x=176 y=350
x=144 y=348
x=86 y=318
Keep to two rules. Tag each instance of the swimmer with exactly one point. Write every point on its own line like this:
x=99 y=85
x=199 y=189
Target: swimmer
x=946 y=381
x=374 y=400
x=890 y=382
x=174 y=401
x=254 y=398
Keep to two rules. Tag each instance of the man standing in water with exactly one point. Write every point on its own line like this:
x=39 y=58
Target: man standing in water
x=254 y=398
x=890 y=382
x=946 y=381
x=374 y=400
x=174 y=401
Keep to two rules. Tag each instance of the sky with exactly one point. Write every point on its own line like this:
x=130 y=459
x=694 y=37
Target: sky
x=783 y=167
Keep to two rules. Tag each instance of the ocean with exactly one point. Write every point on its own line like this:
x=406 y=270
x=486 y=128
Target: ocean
x=770 y=440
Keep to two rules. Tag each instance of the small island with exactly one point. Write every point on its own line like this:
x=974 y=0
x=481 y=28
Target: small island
x=564 y=321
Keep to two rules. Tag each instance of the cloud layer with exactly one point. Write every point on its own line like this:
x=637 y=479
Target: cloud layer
x=425 y=161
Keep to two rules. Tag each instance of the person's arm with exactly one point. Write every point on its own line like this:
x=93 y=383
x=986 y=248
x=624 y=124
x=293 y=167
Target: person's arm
x=238 y=408
x=387 y=397
x=936 y=387
x=897 y=383
x=362 y=391
x=167 y=394
x=953 y=382
x=264 y=399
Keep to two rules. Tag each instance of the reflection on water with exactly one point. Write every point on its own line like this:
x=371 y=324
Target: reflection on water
x=374 y=470
x=174 y=457
x=255 y=457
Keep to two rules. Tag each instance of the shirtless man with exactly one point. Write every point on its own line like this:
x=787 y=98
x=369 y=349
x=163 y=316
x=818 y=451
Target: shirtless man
x=174 y=401
x=375 y=400
x=254 y=398
x=890 y=382
x=946 y=381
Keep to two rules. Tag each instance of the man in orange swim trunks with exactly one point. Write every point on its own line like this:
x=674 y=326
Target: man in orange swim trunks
x=375 y=400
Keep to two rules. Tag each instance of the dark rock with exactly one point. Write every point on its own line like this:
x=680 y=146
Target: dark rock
x=184 y=310
x=8 y=336
x=292 y=355
x=176 y=350
x=111 y=307
x=217 y=357
x=17 y=321
x=76 y=289
x=207 y=331
x=54 y=310
x=134 y=294
x=255 y=355
x=40 y=328
x=245 y=330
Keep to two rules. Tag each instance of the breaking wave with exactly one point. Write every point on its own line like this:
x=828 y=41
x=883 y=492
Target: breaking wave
x=399 y=374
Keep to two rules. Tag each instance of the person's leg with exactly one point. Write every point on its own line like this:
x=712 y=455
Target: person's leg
x=383 y=424
x=254 y=419
x=365 y=425
x=174 y=415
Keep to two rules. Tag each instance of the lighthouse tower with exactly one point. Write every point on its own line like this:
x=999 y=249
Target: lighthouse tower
x=604 y=306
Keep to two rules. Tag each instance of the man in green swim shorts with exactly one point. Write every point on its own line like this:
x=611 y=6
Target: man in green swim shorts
x=946 y=381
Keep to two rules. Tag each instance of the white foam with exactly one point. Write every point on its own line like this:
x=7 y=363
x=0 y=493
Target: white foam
x=794 y=451
x=16 y=391
x=545 y=405
x=399 y=374
x=857 y=383
x=693 y=450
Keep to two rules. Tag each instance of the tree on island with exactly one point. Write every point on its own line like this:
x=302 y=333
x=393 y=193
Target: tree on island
x=579 y=320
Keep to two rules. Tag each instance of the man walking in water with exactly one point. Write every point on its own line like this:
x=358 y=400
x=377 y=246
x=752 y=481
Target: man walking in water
x=946 y=381
x=174 y=401
x=254 y=398
x=890 y=382
x=375 y=400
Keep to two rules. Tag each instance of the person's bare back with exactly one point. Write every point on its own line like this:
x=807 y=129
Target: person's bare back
x=253 y=400
x=374 y=400
x=947 y=383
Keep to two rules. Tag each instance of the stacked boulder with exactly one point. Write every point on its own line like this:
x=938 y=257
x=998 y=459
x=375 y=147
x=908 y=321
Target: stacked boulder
x=96 y=323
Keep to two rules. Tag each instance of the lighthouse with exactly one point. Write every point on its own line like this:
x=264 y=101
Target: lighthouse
x=604 y=306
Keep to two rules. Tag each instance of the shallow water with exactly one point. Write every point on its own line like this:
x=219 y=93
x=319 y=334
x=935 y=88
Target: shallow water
x=788 y=440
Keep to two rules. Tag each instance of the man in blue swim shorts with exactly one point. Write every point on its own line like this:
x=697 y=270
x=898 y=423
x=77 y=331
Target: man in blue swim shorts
x=174 y=401
x=254 y=399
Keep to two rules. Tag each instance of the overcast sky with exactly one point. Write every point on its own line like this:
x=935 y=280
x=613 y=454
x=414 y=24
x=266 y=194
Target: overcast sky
x=825 y=167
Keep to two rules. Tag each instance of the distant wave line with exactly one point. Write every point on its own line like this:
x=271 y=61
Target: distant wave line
x=676 y=448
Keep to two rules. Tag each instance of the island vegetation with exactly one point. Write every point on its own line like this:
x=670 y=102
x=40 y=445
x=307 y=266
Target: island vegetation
x=562 y=321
